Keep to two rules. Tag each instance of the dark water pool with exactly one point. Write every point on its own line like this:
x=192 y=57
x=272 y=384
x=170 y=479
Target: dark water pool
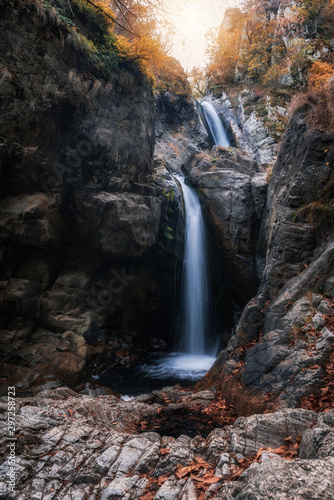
x=156 y=373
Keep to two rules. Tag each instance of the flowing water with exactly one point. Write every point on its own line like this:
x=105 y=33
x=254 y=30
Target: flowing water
x=215 y=124
x=195 y=304
x=195 y=359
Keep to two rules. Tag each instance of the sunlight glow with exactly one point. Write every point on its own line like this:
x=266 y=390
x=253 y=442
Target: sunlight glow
x=192 y=20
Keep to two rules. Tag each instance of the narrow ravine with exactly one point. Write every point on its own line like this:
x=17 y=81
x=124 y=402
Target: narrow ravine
x=167 y=284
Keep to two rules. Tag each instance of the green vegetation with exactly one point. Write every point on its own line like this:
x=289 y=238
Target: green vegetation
x=92 y=28
x=87 y=27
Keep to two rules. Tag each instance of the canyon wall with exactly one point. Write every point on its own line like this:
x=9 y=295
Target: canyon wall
x=87 y=270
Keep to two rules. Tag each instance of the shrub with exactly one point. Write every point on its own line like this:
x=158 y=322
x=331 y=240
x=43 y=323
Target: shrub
x=318 y=105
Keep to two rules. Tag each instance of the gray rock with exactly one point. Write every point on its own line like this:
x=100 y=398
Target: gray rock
x=124 y=488
x=329 y=287
x=250 y=434
x=80 y=446
x=282 y=480
x=31 y=219
x=124 y=224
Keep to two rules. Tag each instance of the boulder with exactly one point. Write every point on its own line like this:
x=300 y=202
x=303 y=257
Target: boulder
x=32 y=220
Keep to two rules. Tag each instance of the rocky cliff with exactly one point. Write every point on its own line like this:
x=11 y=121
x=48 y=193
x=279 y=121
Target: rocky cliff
x=85 y=268
x=87 y=276
x=284 y=340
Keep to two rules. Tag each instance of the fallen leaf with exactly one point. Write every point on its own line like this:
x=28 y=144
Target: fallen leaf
x=208 y=480
x=162 y=479
x=164 y=451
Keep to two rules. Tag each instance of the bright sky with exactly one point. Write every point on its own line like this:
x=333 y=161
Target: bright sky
x=194 y=18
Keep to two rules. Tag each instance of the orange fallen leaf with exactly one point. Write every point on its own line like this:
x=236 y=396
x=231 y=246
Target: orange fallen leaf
x=206 y=480
x=281 y=450
x=162 y=479
x=181 y=472
x=164 y=451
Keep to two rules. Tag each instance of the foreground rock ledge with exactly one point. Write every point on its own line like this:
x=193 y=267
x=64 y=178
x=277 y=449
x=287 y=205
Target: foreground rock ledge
x=73 y=446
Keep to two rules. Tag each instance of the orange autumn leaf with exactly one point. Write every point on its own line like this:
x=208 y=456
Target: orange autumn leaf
x=206 y=480
x=281 y=450
x=181 y=472
x=162 y=479
x=164 y=451
x=148 y=496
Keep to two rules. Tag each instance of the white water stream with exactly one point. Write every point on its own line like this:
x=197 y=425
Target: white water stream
x=194 y=361
x=215 y=124
x=195 y=304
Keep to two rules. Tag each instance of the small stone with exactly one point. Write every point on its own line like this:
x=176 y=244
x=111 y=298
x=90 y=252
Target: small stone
x=318 y=321
x=325 y=307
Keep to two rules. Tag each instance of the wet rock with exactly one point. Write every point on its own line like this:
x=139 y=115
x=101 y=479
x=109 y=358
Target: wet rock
x=68 y=367
x=235 y=193
x=19 y=377
x=247 y=132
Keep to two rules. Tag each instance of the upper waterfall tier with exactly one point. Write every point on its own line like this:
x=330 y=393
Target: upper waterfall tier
x=215 y=124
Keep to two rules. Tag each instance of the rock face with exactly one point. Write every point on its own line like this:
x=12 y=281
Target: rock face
x=244 y=127
x=84 y=446
x=235 y=191
x=293 y=321
x=80 y=213
x=294 y=324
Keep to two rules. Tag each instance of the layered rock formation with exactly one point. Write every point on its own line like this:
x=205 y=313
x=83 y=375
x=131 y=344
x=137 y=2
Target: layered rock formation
x=79 y=211
x=88 y=278
x=83 y=446
x=246 y=127
x=286 y=327
x=234 y=196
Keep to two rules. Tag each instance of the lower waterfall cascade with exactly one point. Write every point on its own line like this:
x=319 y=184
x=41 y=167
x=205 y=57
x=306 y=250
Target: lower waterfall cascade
x=195 y=276
x=193 y=358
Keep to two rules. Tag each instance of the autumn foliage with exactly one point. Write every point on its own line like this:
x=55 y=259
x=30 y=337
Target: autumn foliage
x=272 y=44
x=318 y=104
x=110 y=36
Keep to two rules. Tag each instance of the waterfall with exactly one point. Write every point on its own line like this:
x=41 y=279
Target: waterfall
x=194 y=360
x=195 y=282
x=215 y=125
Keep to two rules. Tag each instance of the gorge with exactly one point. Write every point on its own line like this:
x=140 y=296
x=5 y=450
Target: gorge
x=133 y=247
